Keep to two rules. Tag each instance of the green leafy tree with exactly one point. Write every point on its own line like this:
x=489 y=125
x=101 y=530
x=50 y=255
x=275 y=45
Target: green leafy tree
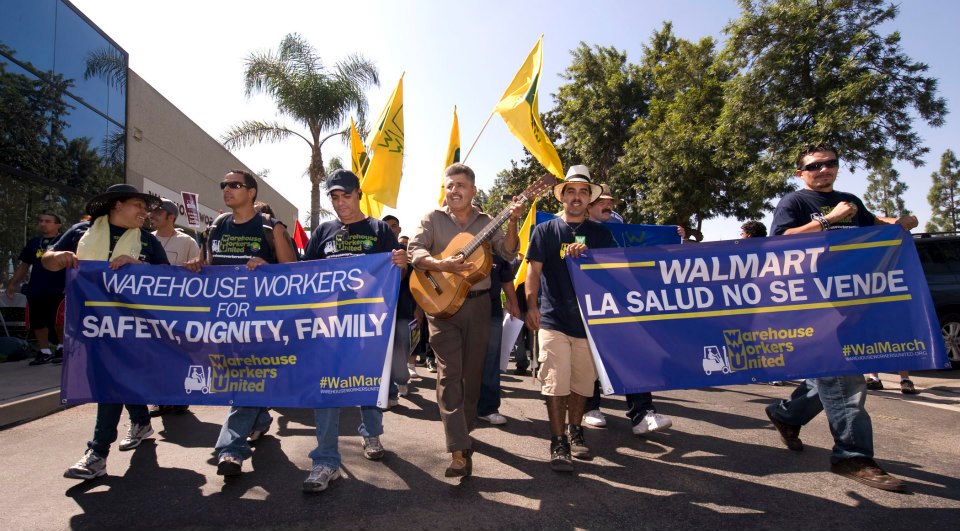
x=596 y=106
x=884 y=195
x=944 y=195
x=821 y=70
x=670 y=157
x=307 y=92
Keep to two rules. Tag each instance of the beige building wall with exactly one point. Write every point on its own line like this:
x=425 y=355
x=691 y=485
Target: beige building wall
x=167 y=153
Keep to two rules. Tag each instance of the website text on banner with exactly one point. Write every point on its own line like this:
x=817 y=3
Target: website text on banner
x=308 y=334
x=843 y=302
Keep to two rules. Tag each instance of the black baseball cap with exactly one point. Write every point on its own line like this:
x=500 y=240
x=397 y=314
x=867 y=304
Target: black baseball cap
x=343 y=180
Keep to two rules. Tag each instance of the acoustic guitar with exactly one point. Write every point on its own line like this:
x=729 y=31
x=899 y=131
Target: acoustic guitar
x=441 y=294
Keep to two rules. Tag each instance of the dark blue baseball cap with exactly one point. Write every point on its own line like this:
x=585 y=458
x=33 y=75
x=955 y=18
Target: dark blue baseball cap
x=343 y=180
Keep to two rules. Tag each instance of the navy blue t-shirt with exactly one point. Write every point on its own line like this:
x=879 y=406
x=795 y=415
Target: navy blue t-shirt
x=42 y=281
x=501 y=272
x=151 y=250
x=796 y=209
x=548 y=244
x=333 y=239
x=236 y=243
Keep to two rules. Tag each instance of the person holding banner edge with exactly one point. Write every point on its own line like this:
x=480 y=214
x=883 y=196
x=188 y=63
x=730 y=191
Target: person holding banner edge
x=353 y=233
x=817 y=208
x=459 y=342
x=115 y=232
x=566 y=372
x=243 y=237
x=642 y=413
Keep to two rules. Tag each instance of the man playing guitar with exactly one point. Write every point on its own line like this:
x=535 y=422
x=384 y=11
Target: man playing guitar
x=460 y=340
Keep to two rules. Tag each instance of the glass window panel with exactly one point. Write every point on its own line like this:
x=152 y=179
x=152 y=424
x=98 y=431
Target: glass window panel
x=79 y=45
x=27 y=28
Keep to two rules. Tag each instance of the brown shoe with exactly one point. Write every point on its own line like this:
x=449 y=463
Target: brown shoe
x=789 y=434
x=868 y=472
x=461 y=464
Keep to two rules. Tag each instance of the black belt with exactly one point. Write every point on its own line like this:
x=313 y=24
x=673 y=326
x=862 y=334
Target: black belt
x=477 y=293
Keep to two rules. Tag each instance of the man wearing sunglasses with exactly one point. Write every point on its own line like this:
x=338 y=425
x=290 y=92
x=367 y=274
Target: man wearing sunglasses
x=817 y=208
x=353 y=233
x=243 y=237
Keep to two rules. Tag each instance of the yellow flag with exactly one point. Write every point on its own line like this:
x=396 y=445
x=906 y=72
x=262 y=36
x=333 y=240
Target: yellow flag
x=358 y=165
x=453 y=152
x=382 y=179
x=519 y=108
x=524 y=235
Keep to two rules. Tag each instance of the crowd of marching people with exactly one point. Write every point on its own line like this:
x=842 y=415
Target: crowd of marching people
x=464 y=342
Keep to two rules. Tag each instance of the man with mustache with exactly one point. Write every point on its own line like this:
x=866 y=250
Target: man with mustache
x=567 y=371
x=460 y=341
x=642 y=413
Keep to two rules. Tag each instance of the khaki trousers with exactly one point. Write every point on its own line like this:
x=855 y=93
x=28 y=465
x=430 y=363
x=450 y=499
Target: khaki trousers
x=460 y=345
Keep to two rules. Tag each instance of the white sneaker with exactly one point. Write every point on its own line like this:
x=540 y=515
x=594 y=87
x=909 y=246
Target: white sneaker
x=402 y=390
x=392 y=402
x=136 y=433
x=89 y=466
x=652 y=422
x=412 y=371
x=494 y=418
x=594 y=418
x=319 y=478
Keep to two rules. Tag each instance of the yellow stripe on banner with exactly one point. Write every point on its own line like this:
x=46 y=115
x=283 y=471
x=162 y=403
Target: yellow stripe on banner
x=318 y=305
x=746 y=311
x=868 y=245
x=109 y=304
x=616 y=265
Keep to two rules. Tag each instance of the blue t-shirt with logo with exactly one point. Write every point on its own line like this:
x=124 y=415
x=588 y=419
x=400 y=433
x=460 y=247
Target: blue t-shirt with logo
x=333 y=239
x=548 y=244
x=234 y=243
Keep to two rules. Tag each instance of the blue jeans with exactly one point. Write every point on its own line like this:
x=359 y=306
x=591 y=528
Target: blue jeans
x=489 y=401
x=401 y=351
x=241 y=422
x=108 y=417
x=327 y=452
x=842 y=398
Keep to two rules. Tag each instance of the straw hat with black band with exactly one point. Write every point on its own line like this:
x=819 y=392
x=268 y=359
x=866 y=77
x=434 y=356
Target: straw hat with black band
x=578 y=174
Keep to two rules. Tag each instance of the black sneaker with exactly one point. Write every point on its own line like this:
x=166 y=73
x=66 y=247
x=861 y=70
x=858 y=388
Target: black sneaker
x=578 y=447
x=41 y=359
x=560 y=460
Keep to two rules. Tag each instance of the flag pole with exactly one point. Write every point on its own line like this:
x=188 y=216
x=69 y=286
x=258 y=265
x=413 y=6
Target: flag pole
x=482 y=129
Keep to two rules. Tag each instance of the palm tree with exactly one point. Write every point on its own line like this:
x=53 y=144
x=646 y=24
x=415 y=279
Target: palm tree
x=309 y=93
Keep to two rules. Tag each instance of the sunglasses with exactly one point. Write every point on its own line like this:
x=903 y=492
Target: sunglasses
x=817 y=166
x=233 y=185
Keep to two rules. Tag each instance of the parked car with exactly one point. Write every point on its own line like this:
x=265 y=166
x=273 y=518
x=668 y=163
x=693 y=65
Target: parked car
x=940 y=258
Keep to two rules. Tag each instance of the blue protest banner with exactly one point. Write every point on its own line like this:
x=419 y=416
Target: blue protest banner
x=758 y=309
x=630 y=235
x=308 y=334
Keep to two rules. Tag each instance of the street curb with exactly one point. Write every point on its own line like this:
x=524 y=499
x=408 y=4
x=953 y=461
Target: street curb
x=29 y=408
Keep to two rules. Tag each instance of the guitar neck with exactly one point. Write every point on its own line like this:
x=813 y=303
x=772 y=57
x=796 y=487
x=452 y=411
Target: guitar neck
x=488 y=231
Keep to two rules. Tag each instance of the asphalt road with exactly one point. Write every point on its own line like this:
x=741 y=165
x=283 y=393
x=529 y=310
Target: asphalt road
x=721 y=466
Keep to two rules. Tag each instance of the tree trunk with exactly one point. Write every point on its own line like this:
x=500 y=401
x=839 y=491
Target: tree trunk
x=317 y=176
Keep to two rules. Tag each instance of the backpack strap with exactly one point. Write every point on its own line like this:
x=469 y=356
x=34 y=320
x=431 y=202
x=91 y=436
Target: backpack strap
x=208 y=245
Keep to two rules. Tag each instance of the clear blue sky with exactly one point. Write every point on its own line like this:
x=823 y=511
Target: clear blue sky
x=453 y=53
